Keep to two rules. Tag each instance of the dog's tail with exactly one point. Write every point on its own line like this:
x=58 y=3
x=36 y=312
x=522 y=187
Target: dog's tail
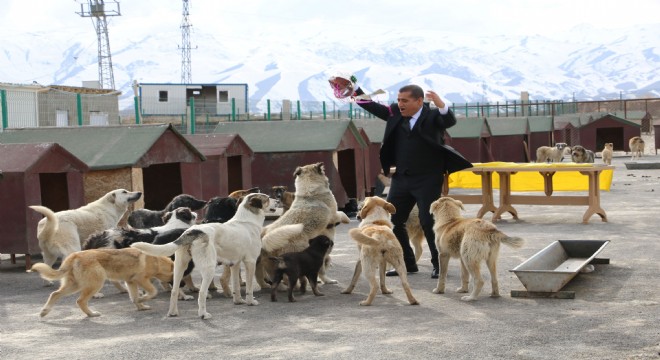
x=52 y=223
x=357 y=235
x=98 y=240
x=280 y=237
x=514 y=242
x=47 y=272
x=169 y=249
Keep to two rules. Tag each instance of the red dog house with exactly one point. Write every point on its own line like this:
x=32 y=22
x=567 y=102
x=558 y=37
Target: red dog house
x=540 y=133
x=471 y=137
x=509 y=138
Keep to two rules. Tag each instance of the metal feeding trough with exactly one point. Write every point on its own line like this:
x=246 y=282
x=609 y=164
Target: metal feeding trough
x=547 y=271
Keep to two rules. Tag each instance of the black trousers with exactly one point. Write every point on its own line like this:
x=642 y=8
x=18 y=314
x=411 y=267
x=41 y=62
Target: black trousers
x=405 y=192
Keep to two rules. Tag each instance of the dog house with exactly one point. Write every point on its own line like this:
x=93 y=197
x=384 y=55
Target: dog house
x=540 y=133
x=608 y=129
x=281 y=146
x=143 y=158
x=38 y=173
x=565 y=128
x=509 y=140
x=472 y=138
x=374 y=130
x=227 y=167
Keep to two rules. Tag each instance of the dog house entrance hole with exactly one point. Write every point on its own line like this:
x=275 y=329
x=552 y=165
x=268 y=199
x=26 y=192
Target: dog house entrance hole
x=609 y=135
x=346 y=165
x=162 y=182
x=54 y=191
x=234 y=173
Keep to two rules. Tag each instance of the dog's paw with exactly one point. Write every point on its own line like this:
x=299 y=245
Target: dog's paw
x=98 y=295
x=253 y=303
x=44 y=312
x=438 y=291
x=329 y=281
x=143 y=307
x=185 y=297
x=468 y=298
x=495 y=294
x=173 y=313
x=205 y=316
x=386 y=291
x=239 y=302
x=365 y=303
x=462 y=290
x=94 y=314
x=414 y=302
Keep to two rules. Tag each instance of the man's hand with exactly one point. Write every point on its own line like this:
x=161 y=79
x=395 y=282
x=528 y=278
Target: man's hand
x=343 y=87
x=435 y=98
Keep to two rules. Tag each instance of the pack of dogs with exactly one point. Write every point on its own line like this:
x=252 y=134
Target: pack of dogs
x=288 y=254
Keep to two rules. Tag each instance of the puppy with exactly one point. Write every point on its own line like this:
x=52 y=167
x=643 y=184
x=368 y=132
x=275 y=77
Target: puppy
x=636 y=145
x=378 y=246
x=63 y=232
x=283 y=197
x=581 y=155
x=232 y=243
x=471 y=240
x=606 y=154
x=303 y=266
x=220 y=210
x=86 y=271
x=144 y=218
x=552 y=154
x=241 y=193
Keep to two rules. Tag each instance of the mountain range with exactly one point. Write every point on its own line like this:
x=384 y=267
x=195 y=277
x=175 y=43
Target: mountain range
x=585 y=63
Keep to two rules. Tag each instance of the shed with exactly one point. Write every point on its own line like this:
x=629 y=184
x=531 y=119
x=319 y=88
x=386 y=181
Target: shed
x=227 y=167
x=143 y=158
x=37 y=173
x=211 y=99
x=281 y=146
x=565 y=128
x=509 y=138
x=540 y=133
x=608 y=129
x=471 y=137
x=375 y=130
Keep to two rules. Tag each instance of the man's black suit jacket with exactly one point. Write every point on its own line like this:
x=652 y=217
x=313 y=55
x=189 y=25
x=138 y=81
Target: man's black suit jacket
x=431 y=125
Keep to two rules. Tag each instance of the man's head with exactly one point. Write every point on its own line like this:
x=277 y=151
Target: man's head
x=410 y=99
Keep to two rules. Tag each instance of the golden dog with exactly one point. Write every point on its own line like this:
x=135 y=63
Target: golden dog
x=86 y=272
x=606 y=154
x=636 y=145
x=471 y=240
x=378 y=246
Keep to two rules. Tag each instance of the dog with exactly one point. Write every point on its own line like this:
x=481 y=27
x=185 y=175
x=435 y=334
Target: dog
x=552 y=154
x=303 y=266
x=241 y=193
x=283 y=197
x=471 y=240
x=606 y=154
x=378 y=246
x=581 y=155
x=86 y=272
x=312 y=213
x=62 y=233
x=145 y=218
x=232 y=243
x=220 y=210
x=636 y=144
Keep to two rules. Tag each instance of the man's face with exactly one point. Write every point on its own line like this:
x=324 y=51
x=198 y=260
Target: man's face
x=408 y=104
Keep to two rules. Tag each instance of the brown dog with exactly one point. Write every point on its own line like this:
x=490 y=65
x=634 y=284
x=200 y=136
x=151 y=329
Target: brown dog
x=283 y=196
x=241 y=193
x=636 y=145
x=86 y=272
x=378 y=246
x=606 y=154
x=471 y=240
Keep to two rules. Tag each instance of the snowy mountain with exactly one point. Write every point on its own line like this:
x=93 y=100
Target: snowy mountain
x=585 y=63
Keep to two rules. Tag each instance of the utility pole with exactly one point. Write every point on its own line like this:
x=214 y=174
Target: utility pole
x=186 y=68
x=98 y=11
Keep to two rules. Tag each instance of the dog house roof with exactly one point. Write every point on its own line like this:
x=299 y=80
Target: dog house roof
x=292 y=136
x=38 y=157
x=375 y=128
x=107 y=147
x=219 y=144
x=500 y=126
x=615 y=118
x=540 y=124
x=470 y=128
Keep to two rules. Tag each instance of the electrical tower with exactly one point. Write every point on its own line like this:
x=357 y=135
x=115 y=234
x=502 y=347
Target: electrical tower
x=98 y=11
x=186 y=70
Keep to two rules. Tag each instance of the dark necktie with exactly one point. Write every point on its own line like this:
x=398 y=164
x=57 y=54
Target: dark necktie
x=406 y=123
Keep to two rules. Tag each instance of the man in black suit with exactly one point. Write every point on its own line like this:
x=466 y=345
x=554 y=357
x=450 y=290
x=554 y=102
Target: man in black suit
x=414 y=144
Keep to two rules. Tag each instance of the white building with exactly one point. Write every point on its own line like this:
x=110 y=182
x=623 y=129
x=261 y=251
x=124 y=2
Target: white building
x=211 y=99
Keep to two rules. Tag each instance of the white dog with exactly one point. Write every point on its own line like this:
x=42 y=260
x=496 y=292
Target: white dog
x=62 y=233
x=238 y=240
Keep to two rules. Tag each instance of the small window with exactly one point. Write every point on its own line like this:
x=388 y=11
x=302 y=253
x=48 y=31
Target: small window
x=223 y=96
x=162 y=96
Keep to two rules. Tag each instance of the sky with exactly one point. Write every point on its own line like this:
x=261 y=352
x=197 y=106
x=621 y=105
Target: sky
x=261 y=19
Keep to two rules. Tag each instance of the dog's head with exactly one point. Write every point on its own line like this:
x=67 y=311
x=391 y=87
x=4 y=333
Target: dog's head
x=322 y=243
x=182 y=214
x=185 y=200
x=278 y=192
x=446 y=208
x=561 y=146
x=256 y=203
x=375 y=208
x=310 y=179
x=220 y=209
x=578 y=153
x=122 y=197
x=609 y=146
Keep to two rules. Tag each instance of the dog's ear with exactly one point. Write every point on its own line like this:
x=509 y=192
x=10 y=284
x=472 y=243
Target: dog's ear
x=319 y=168
x=390 y=208
x=459 y=203
x=256 y=202
x=113 y=198
x=297 y=172
x=167 y=216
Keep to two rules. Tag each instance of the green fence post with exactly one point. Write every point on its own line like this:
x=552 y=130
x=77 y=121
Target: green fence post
x=324 y=113
x=268 y=107
x=137 y=109
x=233 y=109
x=5 y=113
x=350 y=111
x=192 y=115
x=298 y=109
x=79 y=107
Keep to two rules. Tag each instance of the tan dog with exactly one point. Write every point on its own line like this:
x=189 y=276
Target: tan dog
x=312 y=213
x=606 y=154
x=378 y=246
x=62 y=233
x=552 y=154
x=241 y=193
x=284 y=197
x=636 y=145
x=86 y=272
x=471 y=240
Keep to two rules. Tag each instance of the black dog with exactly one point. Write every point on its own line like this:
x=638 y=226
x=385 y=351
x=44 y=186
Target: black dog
x=219 y=210
x=144 y=218
x=303 y=265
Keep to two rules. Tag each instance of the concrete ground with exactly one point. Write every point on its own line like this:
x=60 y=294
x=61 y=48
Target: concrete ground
x=615 y=313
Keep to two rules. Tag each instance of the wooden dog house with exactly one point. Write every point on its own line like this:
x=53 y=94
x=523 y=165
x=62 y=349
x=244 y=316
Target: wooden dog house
x=509 y=138
x=472 y=138
x=35 y=174
x=374 y=130
x=540 y=133
x=608 y=129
